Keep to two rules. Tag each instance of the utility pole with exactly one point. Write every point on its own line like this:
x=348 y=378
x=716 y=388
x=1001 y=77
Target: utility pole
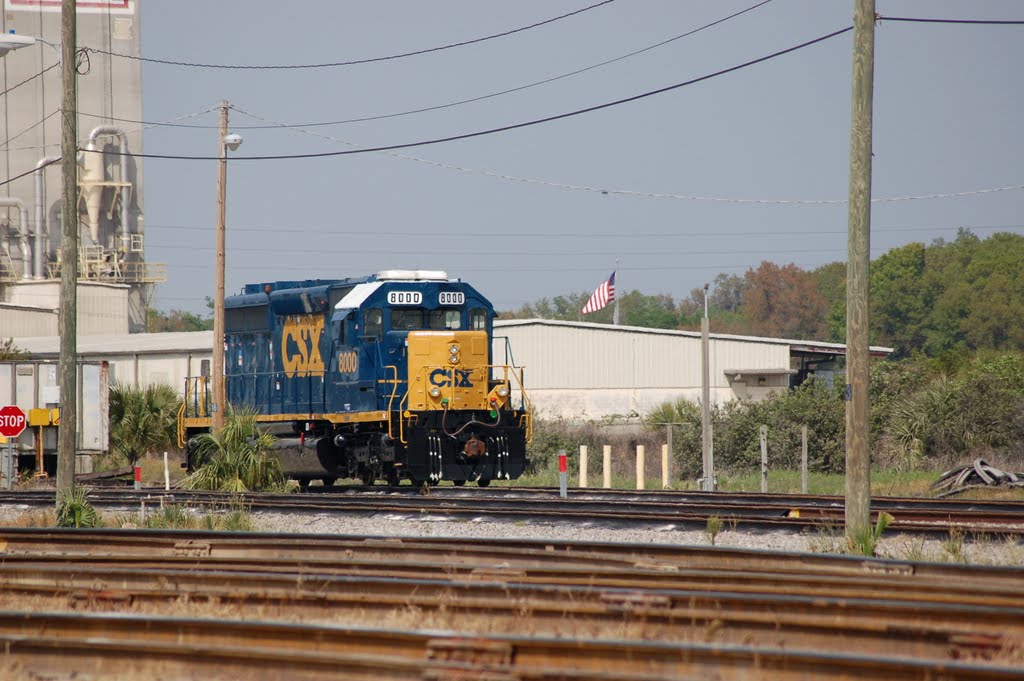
x=67 y=439
x=705 y=396
x=858 y=452
x=218 y=300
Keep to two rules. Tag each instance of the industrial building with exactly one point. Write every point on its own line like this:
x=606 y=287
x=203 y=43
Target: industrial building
x=582 y=371
x=115 y=281
x=573 y=370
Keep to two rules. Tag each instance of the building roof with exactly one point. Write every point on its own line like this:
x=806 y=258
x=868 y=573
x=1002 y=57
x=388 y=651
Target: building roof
x=202 y=341
x=43 y=347
x=804 y=345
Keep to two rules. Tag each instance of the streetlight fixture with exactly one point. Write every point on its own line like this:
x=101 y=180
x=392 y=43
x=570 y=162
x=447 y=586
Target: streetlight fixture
x=225 y=142
x=10 y=42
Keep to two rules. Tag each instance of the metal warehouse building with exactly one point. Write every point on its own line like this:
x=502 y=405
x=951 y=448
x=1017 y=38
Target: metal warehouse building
x=578 y=370
x=572 y=370
x=137 y=359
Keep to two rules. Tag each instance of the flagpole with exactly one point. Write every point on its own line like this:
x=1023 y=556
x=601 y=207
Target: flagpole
x=615 y=315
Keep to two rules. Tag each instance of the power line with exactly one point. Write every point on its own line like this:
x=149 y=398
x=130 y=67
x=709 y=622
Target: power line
x=26 y=174
x=286 y=229
x=29 y=79
x=519 y=88
x=532 y=254
x=354 y=62
x=986 y=22
x=514 y=126
x=108 y=118
x=640 y=194
x=29 y=129
x=460 y=102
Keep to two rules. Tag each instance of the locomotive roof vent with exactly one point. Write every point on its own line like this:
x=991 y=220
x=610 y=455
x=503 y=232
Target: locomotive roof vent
x=412 y=275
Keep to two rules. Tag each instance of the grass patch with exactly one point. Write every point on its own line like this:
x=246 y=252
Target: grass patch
x=234 y=518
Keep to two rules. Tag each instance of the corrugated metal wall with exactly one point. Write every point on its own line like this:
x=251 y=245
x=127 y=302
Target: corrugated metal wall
x=102 y=310
x=591 y=372
x=588 y=358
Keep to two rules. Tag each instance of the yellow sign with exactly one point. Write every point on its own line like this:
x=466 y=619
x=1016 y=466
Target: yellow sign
x=300 y=345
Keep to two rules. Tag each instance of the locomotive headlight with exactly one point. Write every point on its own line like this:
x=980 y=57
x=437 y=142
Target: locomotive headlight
x=503 y=391
x=454 y=358
x=435 y=392
x=454 y=349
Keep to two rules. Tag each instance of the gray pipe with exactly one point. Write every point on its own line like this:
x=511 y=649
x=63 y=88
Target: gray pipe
x=41 y=231
x=26 y=255
x=105 y=130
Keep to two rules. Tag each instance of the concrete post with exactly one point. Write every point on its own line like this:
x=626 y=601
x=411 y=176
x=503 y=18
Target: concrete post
x=640 y=464
x=607 y=466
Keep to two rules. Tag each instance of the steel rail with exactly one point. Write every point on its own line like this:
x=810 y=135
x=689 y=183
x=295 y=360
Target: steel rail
x=109 y=645
x=787 y=500
x=486 y=553
x=686 y=568
x=837 y=623
x=593 y=513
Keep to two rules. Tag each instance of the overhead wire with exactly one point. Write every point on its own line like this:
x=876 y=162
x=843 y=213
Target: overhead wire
x=26 y=174
x=3 y=146
x=354 y=62
x=644 y=194
x=924 y=20
x=470 y=99
x=519 y=88
x=286 y=229
x=514 y=126
x=102 y=117
x=29 y=79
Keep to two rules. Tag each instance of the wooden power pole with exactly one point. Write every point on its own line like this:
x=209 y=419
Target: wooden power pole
x=67 y=439
x=217 y=371
x=858 y=451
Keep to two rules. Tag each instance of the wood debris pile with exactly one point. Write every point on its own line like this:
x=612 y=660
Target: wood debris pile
x=973 y=475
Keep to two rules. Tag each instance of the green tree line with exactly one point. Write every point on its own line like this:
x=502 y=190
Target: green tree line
x=943 y=298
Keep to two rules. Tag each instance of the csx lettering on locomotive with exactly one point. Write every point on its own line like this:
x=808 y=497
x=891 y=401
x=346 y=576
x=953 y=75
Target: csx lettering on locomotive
x=300 y=345
x=442 y=378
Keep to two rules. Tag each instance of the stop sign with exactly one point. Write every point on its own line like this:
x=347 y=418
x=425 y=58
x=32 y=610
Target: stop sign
x=12 y=421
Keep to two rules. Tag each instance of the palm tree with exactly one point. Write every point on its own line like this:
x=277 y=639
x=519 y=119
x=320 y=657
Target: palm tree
x=142 y=421
x=234 y=459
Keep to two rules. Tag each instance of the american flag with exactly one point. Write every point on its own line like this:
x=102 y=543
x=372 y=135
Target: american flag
x=604 y=294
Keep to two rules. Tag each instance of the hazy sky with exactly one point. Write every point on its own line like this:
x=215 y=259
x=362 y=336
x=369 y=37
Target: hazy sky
x=948 y=106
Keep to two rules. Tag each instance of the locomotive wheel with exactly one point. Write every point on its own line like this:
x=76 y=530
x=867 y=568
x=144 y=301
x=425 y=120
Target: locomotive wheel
x=328 y=482
x=458 y=483
x=483 y=482
x=369 y=477
x=394 y=479
x=303 y=483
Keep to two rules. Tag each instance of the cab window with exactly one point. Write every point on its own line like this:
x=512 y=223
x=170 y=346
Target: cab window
x=404 y=319
x=373 y=323
x=341 y=332
x=478 y=319
x=445 y=319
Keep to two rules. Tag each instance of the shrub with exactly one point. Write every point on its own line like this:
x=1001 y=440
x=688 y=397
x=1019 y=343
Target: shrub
x=75 y=510
x=234 y=458
x=142 y=421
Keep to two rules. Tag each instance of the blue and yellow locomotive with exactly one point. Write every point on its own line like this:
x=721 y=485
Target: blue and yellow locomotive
x=387 y=376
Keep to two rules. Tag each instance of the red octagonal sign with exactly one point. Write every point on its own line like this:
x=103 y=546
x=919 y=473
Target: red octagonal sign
x=12 y=421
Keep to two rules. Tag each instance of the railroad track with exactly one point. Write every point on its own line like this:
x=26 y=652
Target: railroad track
x=263 y=604
x=678 y=510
